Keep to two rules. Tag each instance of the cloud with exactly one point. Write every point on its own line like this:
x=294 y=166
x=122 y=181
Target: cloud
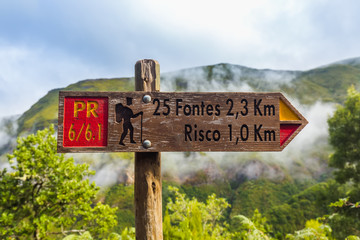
x=264 y=34
x=28 y=74
x=52 y=44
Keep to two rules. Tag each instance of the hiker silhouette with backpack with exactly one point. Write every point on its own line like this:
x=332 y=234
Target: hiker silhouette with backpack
x=126 y=114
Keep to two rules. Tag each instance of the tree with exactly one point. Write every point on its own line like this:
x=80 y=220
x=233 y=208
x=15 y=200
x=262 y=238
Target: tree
x=317 y=230
x=313 y=230
x=126 y=234
x=344 y=130
x=189 y=219
x=254 y=228
x=46 y=195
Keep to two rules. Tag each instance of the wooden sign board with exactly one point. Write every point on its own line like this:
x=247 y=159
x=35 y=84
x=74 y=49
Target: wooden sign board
x=175 y=122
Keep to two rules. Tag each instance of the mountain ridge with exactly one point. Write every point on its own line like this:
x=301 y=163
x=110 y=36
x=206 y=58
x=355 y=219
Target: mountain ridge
x=308 y=90
x=321 y=82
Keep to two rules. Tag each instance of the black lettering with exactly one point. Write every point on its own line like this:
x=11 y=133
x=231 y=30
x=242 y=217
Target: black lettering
x=192 y=133
x=257 y=133
x=229 y=113
x=256 y=107
x=209 y=110
x=157 y=101
x=202 y=108
x=207 y=135
x=167 y=107
x=201 y=135
x=245 y=128
x=268 y=134
x=268 y=109
x=188 y=130
x=217 y=109
x=178 y=106
x=245 y=111
x=230 y=132
x=195 y=133
x=187 y=110
x=197 y=109
x=216 y=135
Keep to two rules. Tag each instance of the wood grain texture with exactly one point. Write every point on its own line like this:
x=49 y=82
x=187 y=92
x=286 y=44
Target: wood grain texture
x=179 y=121
x=147 y=75
x=148 y=185
x=148 y=196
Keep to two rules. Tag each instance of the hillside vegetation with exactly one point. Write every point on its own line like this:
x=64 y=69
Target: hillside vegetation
x=287 y=188
x=327 y=84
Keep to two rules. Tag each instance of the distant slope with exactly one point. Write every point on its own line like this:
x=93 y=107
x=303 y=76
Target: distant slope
x=328 y=84
x=226 y=77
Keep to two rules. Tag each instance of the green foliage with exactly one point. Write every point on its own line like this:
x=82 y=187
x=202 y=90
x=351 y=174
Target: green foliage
x=46 y=194
x=261 y=222
x=317 y=230
x=190 y=219
x=84 y=236
x=344 y=202
x=328 y=84
x=344 y=130
x=293 y=204
x=122 y=197
x=202 y=190
x=352 y=237
x=126 y=234
x=343 y=225
x=254 y=228
x=345 y=220
x=263 y=195
x=308 y=204
x=313 y=230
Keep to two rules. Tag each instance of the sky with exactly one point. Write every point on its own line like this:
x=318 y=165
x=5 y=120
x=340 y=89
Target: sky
x=51 y=44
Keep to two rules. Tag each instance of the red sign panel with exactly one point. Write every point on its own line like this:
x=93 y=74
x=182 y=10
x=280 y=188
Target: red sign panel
x=85 y=121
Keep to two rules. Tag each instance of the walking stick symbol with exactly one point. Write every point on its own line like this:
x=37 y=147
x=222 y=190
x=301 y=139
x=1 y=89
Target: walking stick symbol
x=141 y=128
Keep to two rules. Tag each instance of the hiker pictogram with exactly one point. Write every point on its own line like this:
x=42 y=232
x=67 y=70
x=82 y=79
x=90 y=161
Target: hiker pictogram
x=125 y=113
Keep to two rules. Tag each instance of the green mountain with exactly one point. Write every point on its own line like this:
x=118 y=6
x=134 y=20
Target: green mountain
x=328 y=84
x=312 y=91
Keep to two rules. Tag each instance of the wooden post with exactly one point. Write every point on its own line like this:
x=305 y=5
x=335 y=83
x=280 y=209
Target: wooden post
x=148 y=187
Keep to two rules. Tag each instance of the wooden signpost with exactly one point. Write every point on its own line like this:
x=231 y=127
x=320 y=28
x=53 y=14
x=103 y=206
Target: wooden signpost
x=149 y=122
x=176 y=121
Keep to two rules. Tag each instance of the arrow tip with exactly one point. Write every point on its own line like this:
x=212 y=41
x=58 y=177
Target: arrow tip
x=286 y=130
x=286 y=114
